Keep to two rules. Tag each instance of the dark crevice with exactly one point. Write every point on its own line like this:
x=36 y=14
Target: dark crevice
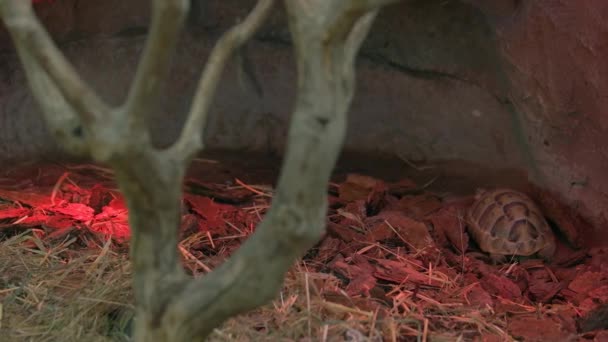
x=426 y=74
x=323 y=121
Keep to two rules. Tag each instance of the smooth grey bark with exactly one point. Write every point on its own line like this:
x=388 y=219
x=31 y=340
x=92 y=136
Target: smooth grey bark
x=327 y=35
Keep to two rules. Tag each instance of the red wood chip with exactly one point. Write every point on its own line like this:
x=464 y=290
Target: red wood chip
x=587 y=281
x=357 y=187
x=532 y=328
x=501 y=286
x=477 y=296
x=400 y=272
x=414 y=233
x=14 y=213
x=448 y=222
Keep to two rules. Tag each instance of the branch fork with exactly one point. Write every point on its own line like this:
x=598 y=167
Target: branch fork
x=327 y=35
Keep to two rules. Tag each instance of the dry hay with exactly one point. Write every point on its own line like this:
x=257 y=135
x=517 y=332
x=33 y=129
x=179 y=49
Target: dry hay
x=57 y=293
x=396 y=265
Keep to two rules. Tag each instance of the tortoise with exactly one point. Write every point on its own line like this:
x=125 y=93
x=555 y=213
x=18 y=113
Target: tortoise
x=505 y=222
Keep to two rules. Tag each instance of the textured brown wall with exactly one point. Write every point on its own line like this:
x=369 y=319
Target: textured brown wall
x=556 y=53
x=506 y=84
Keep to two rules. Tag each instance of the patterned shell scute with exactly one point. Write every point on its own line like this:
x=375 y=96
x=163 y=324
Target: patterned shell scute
x=507 y=222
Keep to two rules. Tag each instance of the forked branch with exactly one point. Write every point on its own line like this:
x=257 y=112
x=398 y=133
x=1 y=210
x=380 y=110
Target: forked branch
x=191 y=139
x=60 y=118
x=296 y=220
x=327 y=35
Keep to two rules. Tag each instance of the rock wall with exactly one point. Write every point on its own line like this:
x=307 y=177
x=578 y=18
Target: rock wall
x=504 y=84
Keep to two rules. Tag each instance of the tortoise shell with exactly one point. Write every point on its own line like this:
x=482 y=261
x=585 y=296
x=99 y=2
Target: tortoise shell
x=506 y=222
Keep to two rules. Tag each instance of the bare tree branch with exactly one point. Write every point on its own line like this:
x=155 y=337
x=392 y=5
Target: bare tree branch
x=167 y=20
x=296 y=220
x=28 y=33
x=191 y=138
x=327 y=35
x=59 y=116
x=357 y=36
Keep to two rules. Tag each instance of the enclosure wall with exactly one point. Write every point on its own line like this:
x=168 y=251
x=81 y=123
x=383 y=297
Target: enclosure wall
x=511 y=85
